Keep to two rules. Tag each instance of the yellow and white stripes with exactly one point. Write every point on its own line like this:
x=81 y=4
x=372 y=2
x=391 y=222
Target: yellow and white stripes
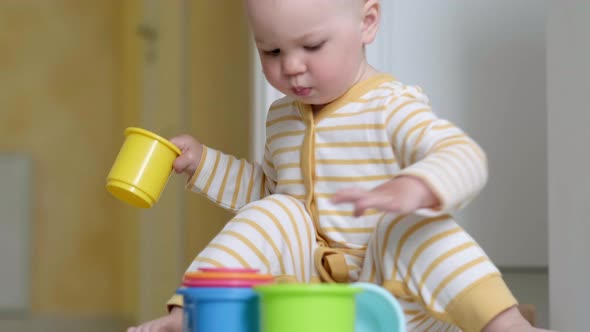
x=432 y=264
x=274 y=235
x=230 y=182
x=378 y=130
x=438 y=273
x=435 y=150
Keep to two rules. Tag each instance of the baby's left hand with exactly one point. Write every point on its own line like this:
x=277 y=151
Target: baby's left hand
x=403 y=195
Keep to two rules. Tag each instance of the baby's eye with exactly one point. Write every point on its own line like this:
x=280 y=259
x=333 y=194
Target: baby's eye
x=274 y=52
x=314 y=47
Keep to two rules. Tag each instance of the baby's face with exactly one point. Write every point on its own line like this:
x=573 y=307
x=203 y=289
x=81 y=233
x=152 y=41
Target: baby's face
x=309 y=49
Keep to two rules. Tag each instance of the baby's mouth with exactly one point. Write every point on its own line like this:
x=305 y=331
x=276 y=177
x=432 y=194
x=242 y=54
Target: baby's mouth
x=301 y=91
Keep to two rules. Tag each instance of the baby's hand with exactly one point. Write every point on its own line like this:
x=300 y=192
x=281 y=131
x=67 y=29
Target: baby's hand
x=189 y=160
x=403 y=195
x=169 y=323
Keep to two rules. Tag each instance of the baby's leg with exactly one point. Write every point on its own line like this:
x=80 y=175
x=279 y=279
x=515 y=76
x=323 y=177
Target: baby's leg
x=442 y=278
x=274 y=235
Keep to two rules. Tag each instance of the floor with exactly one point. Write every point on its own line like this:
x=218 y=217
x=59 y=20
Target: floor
x=62 y=325
x=530 y=286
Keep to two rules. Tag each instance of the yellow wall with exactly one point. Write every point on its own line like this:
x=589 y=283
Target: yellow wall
x=58 y=102
x=220 y=97
x=74 y=75
x=130 y=109
x=194 y=77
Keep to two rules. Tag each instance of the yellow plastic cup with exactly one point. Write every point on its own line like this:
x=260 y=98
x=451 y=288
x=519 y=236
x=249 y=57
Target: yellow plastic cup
x=142 y=168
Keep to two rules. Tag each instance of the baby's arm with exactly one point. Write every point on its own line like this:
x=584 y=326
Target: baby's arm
x=442 y=167
x=224 y=179
x=441 y=155
x=403 y=194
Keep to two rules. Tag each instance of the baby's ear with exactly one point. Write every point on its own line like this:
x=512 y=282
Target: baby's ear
x=371 y=17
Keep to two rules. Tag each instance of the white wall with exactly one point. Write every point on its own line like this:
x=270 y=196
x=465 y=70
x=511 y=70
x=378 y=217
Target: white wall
x=569 y=183
x=483 y=65
x=16 y=172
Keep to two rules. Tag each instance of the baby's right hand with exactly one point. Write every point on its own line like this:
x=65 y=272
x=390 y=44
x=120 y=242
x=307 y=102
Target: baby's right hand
x=169 y=323
x=188 y=161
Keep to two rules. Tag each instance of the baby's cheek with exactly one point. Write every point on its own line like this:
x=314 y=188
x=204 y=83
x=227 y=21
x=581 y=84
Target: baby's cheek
x=273 y=77
x=337 y=75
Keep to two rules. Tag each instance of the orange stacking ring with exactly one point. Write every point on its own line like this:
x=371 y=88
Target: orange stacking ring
x=226 y=277
x=221 y=275
x=228 y=269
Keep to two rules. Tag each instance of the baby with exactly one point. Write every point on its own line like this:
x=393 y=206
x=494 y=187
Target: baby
x=358 y=181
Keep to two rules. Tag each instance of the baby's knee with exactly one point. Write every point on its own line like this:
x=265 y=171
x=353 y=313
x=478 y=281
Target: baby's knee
x=403 y=222
x=277 y=206
x=272 y=201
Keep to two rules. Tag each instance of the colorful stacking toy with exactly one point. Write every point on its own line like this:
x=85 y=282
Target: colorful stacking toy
x=222 y=300
x=243 y=300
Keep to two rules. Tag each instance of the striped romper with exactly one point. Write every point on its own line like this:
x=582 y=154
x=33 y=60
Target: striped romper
x=286 y=225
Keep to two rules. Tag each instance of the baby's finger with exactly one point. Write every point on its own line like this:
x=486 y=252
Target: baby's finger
x=358 y=211
x=373 y=202
x=182 y=141
x=348 y=195
x=181 y=163
x=178 y=141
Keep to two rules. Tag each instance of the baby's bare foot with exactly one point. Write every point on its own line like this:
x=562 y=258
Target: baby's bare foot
x=527 y=328
x=510 y=321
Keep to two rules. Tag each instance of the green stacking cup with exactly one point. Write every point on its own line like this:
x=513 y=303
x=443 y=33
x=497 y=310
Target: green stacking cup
x=309 y=308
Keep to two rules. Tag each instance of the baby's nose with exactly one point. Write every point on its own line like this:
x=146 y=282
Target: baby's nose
x=293 y=65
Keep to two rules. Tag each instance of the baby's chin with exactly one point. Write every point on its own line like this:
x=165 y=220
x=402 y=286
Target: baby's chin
x=315 y=100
